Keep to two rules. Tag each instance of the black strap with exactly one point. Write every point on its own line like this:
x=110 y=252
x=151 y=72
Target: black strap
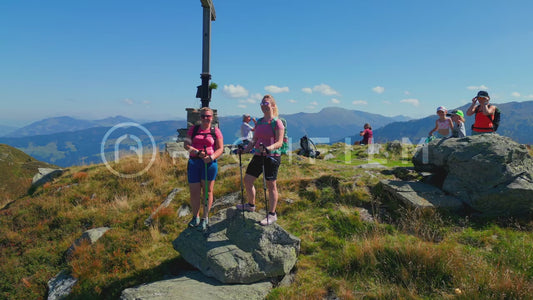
x=197 y=128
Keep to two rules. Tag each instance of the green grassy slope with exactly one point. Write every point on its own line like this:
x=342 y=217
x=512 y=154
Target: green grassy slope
x=17 y=172
x=399 y=254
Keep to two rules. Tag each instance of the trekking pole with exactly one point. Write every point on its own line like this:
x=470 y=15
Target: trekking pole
x=242 y=187
x=206 y=190
x=264 y=179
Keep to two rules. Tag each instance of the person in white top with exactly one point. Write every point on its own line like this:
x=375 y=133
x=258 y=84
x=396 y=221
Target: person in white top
x=246 y=129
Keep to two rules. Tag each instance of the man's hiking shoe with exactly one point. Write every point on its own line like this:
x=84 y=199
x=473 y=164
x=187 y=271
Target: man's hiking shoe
x=271 y=219
x=194 y=222
x=246 y=207
x=203 y=223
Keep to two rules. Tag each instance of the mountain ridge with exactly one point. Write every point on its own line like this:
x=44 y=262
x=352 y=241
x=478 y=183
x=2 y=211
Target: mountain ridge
x=64 y=124
x=330 y=125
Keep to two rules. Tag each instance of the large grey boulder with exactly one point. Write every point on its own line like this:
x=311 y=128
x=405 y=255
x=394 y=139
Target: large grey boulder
x=237 y=251
x=194 y=285
x=491 y=173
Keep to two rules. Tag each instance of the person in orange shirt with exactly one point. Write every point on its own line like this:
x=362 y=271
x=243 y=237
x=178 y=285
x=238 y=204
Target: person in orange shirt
x=484 y=114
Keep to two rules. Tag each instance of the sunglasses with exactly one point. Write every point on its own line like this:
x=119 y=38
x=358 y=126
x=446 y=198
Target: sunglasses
x=265 y=103
x=206 y=116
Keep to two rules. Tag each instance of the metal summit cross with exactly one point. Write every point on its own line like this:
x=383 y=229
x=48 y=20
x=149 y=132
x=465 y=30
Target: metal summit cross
x=204 y=92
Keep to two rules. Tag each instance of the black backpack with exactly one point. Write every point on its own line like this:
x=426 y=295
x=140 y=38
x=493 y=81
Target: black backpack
x=496 y=120
x=308 y=148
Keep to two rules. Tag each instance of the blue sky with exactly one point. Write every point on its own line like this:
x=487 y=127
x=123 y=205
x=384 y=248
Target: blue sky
x=142 y=59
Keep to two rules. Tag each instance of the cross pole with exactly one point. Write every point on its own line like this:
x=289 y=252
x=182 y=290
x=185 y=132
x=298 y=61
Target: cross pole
x=203 y=92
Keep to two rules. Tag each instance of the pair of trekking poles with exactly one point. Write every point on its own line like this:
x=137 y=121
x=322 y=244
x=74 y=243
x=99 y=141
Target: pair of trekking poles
x=264 y=180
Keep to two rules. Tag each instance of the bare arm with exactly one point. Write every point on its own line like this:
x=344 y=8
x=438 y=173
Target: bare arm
x=279 y=140
x=472 y=109
x=187 y=145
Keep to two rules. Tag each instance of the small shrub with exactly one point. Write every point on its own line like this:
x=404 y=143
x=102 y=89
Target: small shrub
x=79 y=176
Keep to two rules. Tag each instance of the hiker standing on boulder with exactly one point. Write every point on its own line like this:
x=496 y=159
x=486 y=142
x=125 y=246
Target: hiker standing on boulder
x=247 y=129
x=484 y=114
x=458 y=119
x=443 y=125
x=205 y=144
x=265 y=143
x=366 y=134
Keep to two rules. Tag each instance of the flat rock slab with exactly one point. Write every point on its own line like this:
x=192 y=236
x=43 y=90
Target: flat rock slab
x=194 y=285
x=420 y=195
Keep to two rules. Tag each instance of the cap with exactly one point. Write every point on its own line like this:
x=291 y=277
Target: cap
x=458 y=112
x=441 y=108
x=483 y=94
x=245 y=115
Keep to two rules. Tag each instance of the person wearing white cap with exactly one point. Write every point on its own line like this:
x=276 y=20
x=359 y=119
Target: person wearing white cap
x=443 y=125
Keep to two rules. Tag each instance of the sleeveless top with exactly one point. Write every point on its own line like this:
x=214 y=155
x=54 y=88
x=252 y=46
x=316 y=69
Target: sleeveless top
x=443 y=124
x=203 y=138
x=483 y=123
x=265 y=135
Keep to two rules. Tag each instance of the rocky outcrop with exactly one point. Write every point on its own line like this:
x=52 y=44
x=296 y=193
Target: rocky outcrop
x=420 y=195
x=43 y=176
x=89 y=236
x=194 y=285
x=234 y=250
x=164 y=204
x=60 y=286
x=489 y=172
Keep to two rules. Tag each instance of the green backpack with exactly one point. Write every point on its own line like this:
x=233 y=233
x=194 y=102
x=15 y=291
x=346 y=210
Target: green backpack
x=285 y=147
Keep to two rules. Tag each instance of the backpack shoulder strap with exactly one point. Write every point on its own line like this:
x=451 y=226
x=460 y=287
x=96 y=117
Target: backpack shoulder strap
x=274 y=123
x=195 y=131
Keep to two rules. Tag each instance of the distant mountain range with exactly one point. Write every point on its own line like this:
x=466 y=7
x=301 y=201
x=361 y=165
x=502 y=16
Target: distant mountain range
x=331 y=125
x=63 y=124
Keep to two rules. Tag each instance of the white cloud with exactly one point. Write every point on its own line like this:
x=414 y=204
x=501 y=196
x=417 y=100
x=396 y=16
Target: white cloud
x=307 y=90
x=128 y=101
x=241 y=106
x=414 y=102
x=387 y=102
x=379 y=89
x=292 y=101
x=276 y=89
x=147 y=102
x=235 y=91
x=515 y=94
x=359 y=102
x=325 y=89
x=407 y=93
x=474 y=87
x=314 y=103
x=335 y=101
